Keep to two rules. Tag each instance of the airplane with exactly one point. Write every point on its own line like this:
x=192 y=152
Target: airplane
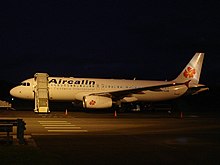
x=97 y=93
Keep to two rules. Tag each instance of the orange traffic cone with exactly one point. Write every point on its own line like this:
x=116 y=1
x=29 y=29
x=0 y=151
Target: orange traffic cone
x=66 y=112
x=115 y=113
x=181 y=115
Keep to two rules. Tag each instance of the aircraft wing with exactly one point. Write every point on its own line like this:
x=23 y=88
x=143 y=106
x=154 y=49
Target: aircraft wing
x=122 y=93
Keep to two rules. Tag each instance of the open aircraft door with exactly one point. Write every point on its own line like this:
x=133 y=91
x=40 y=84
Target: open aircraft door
x=41 y=93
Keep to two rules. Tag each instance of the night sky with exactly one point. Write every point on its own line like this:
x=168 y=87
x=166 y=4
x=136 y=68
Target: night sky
x=151 y=39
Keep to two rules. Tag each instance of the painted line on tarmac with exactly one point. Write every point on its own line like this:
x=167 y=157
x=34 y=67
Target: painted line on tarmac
x=58 y=125
x=69 y=127
x=61 y=127
x=59 y=121
x=67 y=130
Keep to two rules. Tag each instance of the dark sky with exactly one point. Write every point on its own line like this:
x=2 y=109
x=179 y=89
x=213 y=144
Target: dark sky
x=151 y=39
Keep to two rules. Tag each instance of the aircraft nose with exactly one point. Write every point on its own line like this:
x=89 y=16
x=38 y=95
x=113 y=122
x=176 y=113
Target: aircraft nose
x=14 y=92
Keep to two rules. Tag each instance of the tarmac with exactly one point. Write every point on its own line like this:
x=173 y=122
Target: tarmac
x=114 y=138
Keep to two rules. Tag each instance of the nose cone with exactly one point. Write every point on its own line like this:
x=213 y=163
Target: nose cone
x=22 y=92
x=14 y=92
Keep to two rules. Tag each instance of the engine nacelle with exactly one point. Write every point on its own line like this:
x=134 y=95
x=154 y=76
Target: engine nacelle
x=97 y=102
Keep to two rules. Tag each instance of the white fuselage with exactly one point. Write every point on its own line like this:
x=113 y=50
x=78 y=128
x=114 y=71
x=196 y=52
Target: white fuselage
x=70 y=89
x=96 y=93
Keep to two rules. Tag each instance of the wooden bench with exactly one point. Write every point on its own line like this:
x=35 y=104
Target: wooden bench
x=6 y=125
x=6 y=128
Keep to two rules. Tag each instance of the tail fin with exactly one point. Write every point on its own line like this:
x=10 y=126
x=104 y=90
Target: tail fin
x=192 y=70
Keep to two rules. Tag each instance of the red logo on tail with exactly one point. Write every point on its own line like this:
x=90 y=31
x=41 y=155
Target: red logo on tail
x=189 y=72
x=92 y=102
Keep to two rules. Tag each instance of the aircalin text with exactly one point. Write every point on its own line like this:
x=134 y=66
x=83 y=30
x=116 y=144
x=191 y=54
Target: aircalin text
x=69 y=81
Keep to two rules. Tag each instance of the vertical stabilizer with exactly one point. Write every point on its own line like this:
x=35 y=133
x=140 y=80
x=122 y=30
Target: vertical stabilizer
x=192 y=70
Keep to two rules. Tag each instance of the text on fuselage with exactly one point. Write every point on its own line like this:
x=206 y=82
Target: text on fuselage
x=67 y=81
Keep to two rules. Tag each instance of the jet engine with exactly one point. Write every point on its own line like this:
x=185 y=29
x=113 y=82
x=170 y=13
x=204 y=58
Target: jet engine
x=97 y=102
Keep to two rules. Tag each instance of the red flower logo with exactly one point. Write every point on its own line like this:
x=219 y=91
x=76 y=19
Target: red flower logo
x=92 y=102
x=189 y=72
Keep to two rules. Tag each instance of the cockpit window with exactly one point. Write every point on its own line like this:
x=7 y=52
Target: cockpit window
x=25 y=84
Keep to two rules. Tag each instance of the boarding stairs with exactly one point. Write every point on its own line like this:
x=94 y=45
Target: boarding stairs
x=41 y=92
